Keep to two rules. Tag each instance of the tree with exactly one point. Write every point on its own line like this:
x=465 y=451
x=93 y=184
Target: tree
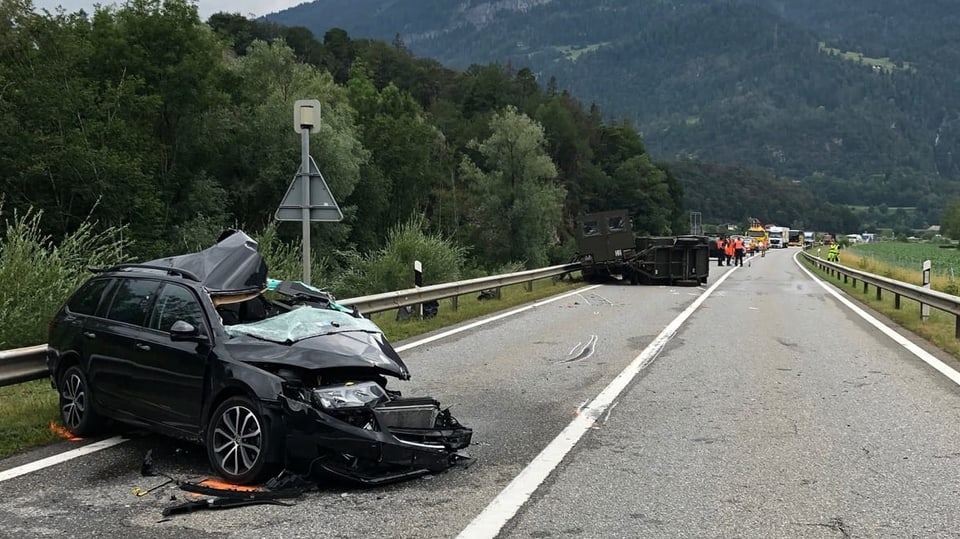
x=950 y=219
x=517 y=205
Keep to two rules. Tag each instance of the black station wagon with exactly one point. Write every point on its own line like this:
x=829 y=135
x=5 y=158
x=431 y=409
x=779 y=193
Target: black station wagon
x=265 y=374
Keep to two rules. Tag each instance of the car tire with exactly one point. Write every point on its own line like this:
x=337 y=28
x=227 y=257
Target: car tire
x=239 y=442
x=76 y=403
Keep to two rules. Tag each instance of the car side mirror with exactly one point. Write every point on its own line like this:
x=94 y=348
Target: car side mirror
x=185 y=331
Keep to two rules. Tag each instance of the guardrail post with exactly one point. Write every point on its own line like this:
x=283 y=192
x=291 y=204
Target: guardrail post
x=529 y=286
x=878 y=293
x=417 y=283
x=455 y=303
x=956 y=329
x=896 y=301
x=866 y=287
x=498 y=293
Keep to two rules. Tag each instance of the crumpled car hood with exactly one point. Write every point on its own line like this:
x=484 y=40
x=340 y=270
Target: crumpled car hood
x=354 y=349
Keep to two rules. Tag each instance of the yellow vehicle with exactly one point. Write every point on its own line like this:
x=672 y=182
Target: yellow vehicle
x=759 y=239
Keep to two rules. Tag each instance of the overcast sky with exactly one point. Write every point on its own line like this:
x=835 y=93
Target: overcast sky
x=207 y=7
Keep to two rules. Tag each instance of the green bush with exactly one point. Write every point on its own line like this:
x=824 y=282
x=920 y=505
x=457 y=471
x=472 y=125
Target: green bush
x=285 y=260
x=36 y=275
x=391 y=268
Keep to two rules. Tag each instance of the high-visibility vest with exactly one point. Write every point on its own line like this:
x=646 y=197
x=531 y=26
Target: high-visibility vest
x=729 y=249
x=738 y=244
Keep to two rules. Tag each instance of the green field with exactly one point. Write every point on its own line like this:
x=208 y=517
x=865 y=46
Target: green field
x=910 y=256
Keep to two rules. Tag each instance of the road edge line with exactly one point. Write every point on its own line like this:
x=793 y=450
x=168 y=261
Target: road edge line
x=59 y=458
x=493 y=318
x=911 y=347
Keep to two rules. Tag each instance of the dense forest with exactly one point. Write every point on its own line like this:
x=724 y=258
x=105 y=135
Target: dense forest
x=857 y=101
x=146 y=118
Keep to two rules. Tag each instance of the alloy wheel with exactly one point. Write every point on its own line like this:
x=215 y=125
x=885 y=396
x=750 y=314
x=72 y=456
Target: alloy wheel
x=237 y=440
x=73 y=400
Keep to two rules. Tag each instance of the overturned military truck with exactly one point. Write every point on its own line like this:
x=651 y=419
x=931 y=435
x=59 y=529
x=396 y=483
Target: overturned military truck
x=608 y=250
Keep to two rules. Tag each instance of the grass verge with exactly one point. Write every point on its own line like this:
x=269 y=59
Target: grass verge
x=938 y=329
x=27 y=410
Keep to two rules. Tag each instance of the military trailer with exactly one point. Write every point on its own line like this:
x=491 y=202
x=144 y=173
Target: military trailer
x=609 y=250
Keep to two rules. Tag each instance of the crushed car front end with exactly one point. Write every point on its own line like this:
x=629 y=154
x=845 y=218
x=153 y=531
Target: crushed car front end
x=337 y=412
x=363 y=433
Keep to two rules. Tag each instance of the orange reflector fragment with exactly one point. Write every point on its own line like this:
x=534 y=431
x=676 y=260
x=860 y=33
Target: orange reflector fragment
x=62 y=432
x=213 y=483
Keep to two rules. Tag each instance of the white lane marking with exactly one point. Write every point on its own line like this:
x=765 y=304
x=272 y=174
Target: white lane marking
x=116 y=440
x=503 y=508
x=62 y=457
x=479 y=323
x=944 y=369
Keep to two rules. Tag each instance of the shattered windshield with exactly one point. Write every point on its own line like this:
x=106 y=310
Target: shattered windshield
x=302 y=323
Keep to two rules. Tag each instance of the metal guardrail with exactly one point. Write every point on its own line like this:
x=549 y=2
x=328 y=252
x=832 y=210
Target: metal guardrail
x=23 y=364
x=412 y=296
x=30 y=363
x=938 y=300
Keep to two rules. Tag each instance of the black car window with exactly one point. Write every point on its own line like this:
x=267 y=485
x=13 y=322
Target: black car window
x=176 y=303
x=131 y=300
x=86 y=300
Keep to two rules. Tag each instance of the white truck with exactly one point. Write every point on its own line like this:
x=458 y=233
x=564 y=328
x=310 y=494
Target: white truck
x=808 y=239
x=778 y=237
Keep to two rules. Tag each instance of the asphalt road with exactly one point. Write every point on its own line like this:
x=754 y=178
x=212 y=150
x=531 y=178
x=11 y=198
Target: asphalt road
x=773 y=412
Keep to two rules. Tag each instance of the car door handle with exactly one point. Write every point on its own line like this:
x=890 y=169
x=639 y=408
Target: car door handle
x=89 y=334
x=144 y=347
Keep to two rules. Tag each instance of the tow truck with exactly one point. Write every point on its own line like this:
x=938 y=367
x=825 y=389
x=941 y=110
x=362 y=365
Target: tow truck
x=759 y=240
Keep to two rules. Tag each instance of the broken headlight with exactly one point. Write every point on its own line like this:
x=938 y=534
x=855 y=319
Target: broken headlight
x=349 y=395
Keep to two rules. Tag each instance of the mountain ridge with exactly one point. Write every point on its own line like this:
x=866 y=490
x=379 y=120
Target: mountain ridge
x=857 y=101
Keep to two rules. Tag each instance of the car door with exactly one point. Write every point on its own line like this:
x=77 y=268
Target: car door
x=176 y=368
x=111 y=341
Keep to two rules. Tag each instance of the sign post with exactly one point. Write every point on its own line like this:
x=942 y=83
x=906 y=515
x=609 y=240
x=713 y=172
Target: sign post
x=924 y=308
x=308 y=198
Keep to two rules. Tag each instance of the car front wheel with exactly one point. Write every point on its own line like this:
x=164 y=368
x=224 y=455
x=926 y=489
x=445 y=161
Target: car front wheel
x=76 y=403
x=239 y=442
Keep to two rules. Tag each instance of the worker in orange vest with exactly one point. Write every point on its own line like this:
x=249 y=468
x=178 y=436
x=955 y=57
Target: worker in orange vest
x=720 y=253
x=738 y=251
x=729 y=250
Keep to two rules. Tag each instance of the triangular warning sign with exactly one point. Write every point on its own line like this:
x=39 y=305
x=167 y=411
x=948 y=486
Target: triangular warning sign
x=322 y=205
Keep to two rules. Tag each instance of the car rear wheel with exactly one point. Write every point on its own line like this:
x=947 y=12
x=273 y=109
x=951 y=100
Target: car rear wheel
x=239 y=441
x=76 y=403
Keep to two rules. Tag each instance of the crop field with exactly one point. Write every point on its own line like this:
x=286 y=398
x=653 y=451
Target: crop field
x=910 y=256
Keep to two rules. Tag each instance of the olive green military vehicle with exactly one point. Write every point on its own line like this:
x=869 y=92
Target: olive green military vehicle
x=609 y=250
